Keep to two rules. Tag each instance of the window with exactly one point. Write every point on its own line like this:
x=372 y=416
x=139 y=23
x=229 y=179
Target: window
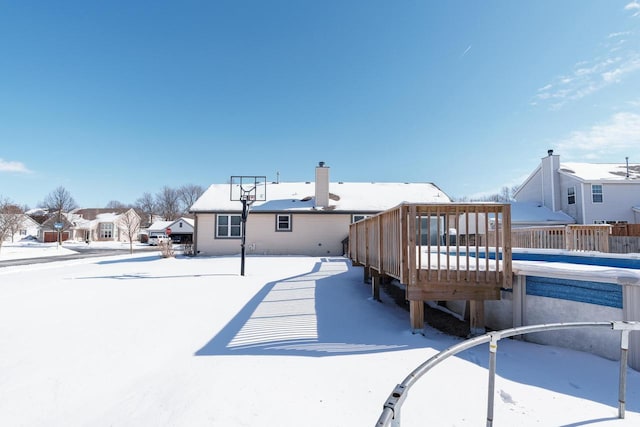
x=596 y=193
x=571 y=195
x=228 y=226
x=358 y=217
x=106 y=230
x=283 y=222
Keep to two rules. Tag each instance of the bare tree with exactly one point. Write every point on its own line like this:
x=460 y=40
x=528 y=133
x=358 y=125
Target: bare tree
x=188 y=195
x=147 y=204
x=130 y=223
x=168 y=203
x=114 y=204
x=504 y=196
x=17 y=218
x=58 y=202
x=11 y=219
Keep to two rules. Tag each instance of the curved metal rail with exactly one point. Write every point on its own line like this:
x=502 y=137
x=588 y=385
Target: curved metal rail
x=391 y=409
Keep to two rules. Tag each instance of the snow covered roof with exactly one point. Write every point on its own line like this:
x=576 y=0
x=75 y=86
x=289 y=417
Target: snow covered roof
x=531 y=213
x=601 y=171
x=160 y=225
x=346 y=197
x=189 y=221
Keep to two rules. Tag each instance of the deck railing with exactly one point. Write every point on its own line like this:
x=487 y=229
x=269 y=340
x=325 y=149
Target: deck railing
x=430 y=247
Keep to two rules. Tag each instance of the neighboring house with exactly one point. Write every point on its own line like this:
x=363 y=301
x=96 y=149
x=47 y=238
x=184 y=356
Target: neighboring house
x=158 y=228
x=182 y=230
x=116 y=225
x=18 y=226
x=535 y=214
x=590 y=193
x=300 y=218
x=48 y=232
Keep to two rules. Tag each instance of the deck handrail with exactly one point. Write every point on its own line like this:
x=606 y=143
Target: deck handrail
x=392 y=407
x=444 y=236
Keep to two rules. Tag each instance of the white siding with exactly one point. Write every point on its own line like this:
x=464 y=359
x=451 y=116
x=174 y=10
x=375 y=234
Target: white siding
x=312 y=234
x=617 y=202
x=531 y=190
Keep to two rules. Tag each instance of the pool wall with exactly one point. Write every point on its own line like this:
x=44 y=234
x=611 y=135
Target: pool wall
x=562 y=292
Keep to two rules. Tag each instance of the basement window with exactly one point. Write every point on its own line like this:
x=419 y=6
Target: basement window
x=283 y=222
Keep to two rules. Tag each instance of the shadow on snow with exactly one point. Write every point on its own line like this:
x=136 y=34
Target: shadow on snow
x=316 y=314
x=321 y=313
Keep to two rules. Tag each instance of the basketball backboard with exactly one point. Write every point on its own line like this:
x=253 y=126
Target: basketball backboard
x=249 y=188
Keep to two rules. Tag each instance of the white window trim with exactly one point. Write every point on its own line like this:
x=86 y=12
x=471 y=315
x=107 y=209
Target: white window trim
x=569 y=195
x=289 y=222
x=228 y=227
x=364 y=216
x=601 y=193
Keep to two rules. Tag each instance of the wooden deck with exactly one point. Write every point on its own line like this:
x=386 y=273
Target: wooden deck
x=439 y=252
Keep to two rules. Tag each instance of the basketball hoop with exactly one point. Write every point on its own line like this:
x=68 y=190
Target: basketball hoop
x=249 y=198
x=247 y=189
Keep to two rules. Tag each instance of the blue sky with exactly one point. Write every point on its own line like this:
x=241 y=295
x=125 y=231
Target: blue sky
x=114 y=99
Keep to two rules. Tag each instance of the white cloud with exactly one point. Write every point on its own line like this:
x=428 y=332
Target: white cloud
x=618 y=58
x=6 y=166
x=633 y=6
x=604 y=142
x=585 y=80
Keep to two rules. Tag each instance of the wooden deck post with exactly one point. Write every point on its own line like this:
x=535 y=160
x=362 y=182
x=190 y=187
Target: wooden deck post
x=376 y=279
x=476 y=317
x=367 y=274
x=416 y=314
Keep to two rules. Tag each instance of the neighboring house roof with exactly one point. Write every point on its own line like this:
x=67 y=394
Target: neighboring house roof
x=189 y=221
x=600 y=171
x=93 y=213
x=160 y=225
x=531 y=213
x=87 y=219
x=347 y=197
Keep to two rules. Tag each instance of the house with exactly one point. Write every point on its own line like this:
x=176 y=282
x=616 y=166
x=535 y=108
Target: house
x=179 y=230
x=535 y=214
x=297 y=218
x=18 y=226
x=55 y=229
x=590 y=193
x=96 y=224
x=182 y=230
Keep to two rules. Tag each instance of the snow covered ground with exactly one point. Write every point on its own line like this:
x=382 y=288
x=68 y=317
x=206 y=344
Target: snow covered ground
x=139 y=340
x=33 y=249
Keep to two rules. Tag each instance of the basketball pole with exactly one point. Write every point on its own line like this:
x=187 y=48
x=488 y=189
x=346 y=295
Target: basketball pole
x=244 y=234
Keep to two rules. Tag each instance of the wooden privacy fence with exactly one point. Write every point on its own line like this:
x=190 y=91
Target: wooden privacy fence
x=439 y=252
x=574 y=237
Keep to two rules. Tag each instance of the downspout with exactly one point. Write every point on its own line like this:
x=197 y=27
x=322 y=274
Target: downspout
x=583 y=200
x=195 y=235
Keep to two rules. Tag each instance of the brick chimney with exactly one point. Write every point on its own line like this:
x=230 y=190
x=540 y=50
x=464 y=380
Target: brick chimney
x=322 y=186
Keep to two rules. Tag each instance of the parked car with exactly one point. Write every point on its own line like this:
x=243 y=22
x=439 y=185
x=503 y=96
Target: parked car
x=155 y=239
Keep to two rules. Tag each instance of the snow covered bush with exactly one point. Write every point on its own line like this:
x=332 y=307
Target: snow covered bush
x=166 y=248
